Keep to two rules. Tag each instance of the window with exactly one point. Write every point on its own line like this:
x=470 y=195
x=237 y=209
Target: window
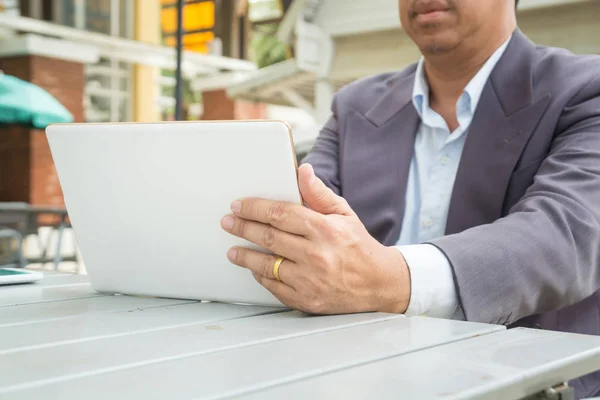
x=108 y=91
x=9 y=7
x=111 y=17
x=265 y=10
x=108 y=88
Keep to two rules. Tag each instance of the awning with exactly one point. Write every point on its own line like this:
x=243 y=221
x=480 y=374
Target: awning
x=283 y=84
x=126 y=50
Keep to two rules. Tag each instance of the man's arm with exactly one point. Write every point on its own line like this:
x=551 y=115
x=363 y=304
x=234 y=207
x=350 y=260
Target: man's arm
x=432 y=290
x=544 y=255
x=325 y=155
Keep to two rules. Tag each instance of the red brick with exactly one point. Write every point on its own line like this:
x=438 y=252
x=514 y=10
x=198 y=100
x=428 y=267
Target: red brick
x=27 y=171
x=218 y=106
x=14 y=163
x=248 y=111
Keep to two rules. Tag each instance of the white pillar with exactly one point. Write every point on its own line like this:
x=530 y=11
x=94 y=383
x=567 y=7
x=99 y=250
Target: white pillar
x=324 y=91
x=324 y=88
x=315 y=51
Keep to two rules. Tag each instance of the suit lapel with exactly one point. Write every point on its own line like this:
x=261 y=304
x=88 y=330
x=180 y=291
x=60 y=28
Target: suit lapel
x=390 y=126
x=506 y=117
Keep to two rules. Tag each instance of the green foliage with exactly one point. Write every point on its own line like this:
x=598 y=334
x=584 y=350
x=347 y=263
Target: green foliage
x=189 y=95
x=265 y=48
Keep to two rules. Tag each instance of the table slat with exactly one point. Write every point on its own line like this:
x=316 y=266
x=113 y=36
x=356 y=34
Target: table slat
x=95 y=326
x=291 y=348
x=60 y=279
x=30 y=293
x=38 y=312
x=504 y=365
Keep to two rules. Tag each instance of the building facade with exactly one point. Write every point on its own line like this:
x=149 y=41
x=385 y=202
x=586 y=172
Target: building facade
x=113 y=61
x=106 y=61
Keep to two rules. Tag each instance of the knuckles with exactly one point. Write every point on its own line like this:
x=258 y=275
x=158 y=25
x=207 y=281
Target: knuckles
x=318 y=257
x=265 y=265
x=269 y=237
x=318 y=224
x=239 y=227
x=344 y=233
x=277 y=212
x=338 y=230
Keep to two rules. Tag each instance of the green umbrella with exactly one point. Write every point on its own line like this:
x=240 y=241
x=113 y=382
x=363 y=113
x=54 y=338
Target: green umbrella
x=24 y=103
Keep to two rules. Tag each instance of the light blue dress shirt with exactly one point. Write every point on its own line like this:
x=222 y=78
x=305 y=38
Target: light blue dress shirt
x=431 y=178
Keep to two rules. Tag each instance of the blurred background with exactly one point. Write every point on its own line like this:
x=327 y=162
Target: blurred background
x=116 y=61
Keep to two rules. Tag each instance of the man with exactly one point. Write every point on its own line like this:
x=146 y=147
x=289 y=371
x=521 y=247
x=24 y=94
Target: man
x=466 y=186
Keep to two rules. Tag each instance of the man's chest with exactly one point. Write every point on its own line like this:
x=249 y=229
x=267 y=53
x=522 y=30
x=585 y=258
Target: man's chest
x=482 y=176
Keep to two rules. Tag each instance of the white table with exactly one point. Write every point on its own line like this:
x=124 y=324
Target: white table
x=61 y=340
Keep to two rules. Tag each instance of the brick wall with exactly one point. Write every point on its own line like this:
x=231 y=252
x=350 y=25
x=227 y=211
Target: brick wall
x=245 y=110
x=27 y=171
x=218 y=106
x=42 y=174
x=14 y=163
x=64 y=80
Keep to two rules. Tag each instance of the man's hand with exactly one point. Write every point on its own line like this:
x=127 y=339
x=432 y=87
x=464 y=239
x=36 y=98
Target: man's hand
x=332 y=265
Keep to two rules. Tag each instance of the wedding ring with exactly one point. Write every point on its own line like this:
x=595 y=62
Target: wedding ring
x=276 y=267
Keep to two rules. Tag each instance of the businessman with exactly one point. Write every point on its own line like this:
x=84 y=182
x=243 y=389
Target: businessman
x=465 y=186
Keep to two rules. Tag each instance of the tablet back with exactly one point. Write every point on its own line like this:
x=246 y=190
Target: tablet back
x=146 y=201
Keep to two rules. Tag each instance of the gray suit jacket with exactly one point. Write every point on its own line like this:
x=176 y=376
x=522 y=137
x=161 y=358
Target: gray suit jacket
x=523 y=230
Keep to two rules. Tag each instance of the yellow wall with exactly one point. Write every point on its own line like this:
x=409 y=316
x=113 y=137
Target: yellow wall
x=147 y=29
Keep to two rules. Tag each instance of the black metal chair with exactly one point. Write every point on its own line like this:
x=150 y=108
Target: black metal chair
x=24 y=219
x=11 y=243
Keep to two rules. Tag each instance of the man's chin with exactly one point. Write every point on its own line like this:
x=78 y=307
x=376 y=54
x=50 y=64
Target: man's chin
x=436 y=49
x=436 y=45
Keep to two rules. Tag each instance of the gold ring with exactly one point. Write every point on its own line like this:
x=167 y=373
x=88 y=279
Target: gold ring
x=276 y=267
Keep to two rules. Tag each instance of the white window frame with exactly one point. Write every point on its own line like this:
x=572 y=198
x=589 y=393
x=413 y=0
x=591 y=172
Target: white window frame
x=10 y=7
x=114 y=94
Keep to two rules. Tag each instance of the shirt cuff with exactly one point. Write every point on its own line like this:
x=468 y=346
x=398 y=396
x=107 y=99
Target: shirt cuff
x=432 y=291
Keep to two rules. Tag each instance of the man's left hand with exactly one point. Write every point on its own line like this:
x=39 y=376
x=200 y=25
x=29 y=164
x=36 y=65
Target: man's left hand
x=332 y=265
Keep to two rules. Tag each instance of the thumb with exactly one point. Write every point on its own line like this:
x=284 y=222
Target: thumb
x=318 y=196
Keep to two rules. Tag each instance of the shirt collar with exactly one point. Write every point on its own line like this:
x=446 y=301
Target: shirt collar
x=420 y=95
x=472 y=91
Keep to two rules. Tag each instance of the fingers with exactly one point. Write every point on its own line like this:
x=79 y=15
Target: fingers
x=284 y=293
x=279 y=242
x=263 y=264
x=288 y=217
x=318 y=196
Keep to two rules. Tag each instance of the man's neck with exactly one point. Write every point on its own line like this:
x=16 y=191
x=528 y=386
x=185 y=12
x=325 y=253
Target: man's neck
x=449 y=73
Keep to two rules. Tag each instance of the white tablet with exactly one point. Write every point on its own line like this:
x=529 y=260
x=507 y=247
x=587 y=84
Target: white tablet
x=146 y=201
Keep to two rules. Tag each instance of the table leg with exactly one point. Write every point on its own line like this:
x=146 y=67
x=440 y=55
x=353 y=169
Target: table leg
x=558 y=392
x=57 y=255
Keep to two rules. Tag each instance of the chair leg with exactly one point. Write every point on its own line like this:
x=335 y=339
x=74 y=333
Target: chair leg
x=22 y=258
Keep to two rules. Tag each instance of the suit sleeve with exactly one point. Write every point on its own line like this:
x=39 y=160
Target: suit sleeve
x=325 y=154
x=545 y=254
